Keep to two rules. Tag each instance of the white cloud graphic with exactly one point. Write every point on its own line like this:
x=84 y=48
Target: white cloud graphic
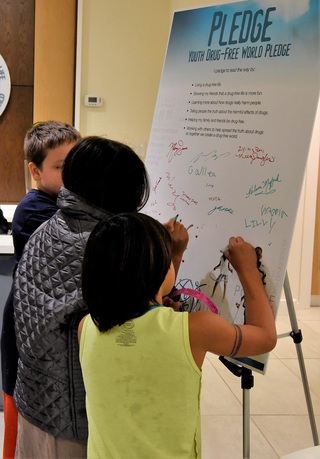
x=287 y=9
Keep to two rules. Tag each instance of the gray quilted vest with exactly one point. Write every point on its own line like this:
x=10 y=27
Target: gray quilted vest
x=48 y=306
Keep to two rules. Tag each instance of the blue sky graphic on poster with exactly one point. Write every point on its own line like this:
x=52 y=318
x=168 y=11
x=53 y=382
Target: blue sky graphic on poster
x=230 y=138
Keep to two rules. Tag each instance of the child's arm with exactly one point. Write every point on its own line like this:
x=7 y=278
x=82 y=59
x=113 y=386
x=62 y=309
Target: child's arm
x=210 y=332
x=180 y=239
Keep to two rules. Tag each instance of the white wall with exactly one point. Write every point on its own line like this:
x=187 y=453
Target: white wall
x=123 y=44
x=120 y=56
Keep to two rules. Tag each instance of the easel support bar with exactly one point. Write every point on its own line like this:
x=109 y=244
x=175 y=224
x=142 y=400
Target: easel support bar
x=296 y=335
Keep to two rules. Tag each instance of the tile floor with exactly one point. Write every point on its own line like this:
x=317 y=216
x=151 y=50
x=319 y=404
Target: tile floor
x=279 y=421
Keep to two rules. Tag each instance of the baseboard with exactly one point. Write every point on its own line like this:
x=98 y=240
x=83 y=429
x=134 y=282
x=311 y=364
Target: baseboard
x=315 y=300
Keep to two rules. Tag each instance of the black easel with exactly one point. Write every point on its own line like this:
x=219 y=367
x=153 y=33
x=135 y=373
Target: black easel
x=247 y=379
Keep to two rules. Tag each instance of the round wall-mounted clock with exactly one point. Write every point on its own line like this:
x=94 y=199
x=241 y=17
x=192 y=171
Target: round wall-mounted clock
x=5 y=85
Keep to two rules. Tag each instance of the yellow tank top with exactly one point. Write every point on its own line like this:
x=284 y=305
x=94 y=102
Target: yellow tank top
x=143 y=388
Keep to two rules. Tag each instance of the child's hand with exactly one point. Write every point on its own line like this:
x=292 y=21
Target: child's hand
x=241 y=254
x=179 y=236
x=168 y=302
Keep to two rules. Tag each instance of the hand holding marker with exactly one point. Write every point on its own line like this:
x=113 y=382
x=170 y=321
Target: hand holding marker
x=176 y=218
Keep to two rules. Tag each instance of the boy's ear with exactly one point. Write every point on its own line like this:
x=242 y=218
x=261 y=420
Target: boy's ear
x=34 y=171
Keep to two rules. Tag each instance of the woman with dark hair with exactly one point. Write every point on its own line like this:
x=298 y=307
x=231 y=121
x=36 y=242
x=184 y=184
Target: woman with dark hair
x=108 y=174
x=101 y=177
x=141 y=362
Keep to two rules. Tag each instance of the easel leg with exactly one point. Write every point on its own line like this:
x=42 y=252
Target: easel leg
x=247 y=381
x=246 y=384
x=297 y=338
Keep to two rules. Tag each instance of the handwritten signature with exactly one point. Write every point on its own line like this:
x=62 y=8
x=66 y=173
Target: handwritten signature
x=220 y=209
x=212 y=155
x=269 y=217
x=256 y=223
x=266 y=187
x=183 y=196
x=273 y=211
x=254 y=154
x=175 y=149
x=155 y=186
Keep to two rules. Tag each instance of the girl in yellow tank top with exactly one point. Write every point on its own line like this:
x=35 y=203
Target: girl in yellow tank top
x=141 y=361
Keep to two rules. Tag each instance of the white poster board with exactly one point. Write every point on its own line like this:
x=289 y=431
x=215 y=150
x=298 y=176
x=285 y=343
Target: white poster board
x=230 y=139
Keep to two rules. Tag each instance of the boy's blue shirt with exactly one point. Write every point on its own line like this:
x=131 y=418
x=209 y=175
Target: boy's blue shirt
x=34 y=209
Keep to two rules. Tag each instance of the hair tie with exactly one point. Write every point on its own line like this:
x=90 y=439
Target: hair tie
x=199 y=295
